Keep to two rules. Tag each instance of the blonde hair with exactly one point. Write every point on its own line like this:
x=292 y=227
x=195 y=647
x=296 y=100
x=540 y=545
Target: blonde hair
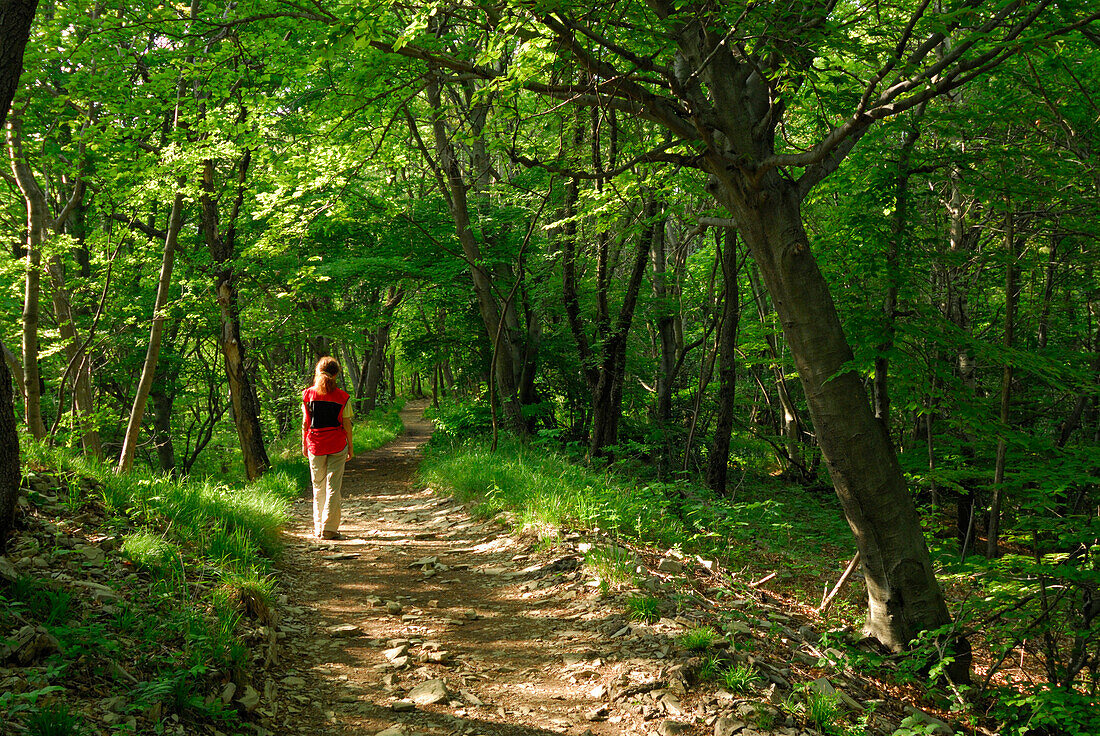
x=324 y=375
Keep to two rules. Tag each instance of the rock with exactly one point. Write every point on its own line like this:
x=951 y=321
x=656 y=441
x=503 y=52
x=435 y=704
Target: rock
x=823 y=686
x=599 y=713
x=396 y=730
x=398 y=651
x=425 y=561
x=342 y=631
x=250 y=699
x=119 y=672
x=403 y=706
x=228 y=692
x=29 y=645
x=7 y=570
x=430 y=692
x=598 y=691
x=727 y=726
x=671 y=566
x=393 y=607
x=672 y=705
x=673 y=728
x=938 y=727
x=292 y=681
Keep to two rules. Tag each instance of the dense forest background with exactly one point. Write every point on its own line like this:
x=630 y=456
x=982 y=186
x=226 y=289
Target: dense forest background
x=837 y=244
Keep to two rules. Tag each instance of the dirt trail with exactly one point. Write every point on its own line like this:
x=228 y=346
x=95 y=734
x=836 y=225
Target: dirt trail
x=522 y=644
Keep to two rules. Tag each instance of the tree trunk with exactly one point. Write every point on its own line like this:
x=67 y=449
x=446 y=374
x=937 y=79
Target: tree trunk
x=246 y=410
x=666 y=328
x=894 y=247
x=379 y=343
x=9 y=456
x=16 y=17
x=718 y=461
x=456 y=189
x=1011 y=300
x=36 y=234
x=608 y=392
x=156 y=331
x=790 y=425
x=904 y=597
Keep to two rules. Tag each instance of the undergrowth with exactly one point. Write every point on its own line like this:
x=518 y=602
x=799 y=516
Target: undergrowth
x=179 y=571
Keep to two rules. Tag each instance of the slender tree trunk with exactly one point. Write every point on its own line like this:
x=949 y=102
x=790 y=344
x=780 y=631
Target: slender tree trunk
x=246 y=410
x=607 y=396
x=456 y=188
x=9 y=456
x=37 y=226
x=894 y=247
x=156 y=331
x=666 y=328
x=718 y=460
x=1011 y=300
x=790 y=425
x=381 y=340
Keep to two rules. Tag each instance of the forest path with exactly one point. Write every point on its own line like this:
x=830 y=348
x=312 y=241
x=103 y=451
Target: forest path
x=421 y=591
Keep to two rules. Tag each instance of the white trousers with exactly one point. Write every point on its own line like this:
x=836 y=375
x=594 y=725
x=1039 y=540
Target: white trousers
x=327 y=474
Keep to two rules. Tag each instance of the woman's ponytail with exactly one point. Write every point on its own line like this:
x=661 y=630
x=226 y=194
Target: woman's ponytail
x=324 y=376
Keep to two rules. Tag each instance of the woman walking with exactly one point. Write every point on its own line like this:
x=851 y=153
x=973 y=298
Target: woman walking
x=326 y=441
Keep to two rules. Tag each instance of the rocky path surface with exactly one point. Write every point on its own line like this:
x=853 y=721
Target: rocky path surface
x=425 y=620
x=428 y=621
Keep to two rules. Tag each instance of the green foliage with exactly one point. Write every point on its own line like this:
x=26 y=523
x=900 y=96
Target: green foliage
x=54 y=719
x=914 y=726
x=643 y=608
x=458 y=421
x=697 y=639
x=740 y=678
x=41 y=600
x=611 y=564
x=1037 y=709
x=150 y=551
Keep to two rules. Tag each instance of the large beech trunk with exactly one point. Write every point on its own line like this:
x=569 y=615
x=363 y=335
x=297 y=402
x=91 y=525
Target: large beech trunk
x=903 y=595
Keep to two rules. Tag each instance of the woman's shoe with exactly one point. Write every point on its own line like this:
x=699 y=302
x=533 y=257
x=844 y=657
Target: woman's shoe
x=331 y=535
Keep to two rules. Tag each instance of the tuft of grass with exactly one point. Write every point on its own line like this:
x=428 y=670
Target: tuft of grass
x=697 y=640
x=740 y=678
x=150 y=551
x=53 y=720
x=613 y=566
x=42 y=601
x=822 y=711
x=709 y=669
x=644 y=608
x=248 y=593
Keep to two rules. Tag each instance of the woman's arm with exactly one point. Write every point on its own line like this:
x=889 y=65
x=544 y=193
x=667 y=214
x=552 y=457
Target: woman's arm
x=305 y=429
x=347 y=431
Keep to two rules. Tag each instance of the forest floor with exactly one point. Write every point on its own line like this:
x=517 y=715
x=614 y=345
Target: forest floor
x=427 y=620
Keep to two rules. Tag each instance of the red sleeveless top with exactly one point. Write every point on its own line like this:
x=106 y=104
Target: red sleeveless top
x=325 y=435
